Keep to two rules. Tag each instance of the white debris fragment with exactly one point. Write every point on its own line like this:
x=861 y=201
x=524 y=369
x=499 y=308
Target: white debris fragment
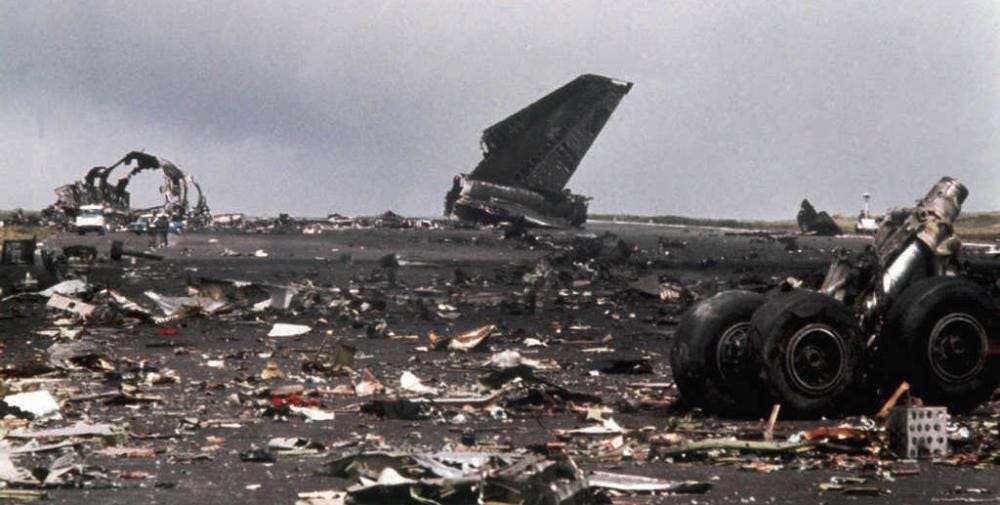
x=13 y=474
x=505 y=359
x=390 y=477
x=410 y=382
x=260 y=253
x=62 y=332
x=125 y=304
x=508 y=359
x=607 y=427
x=286 y=443
x=312 y=413
x=178 y=305
x=280 y=298
x=637 y=483
x=288 y=330
x=68 y=304
x=368 y=385
x=40 y=404
x=78 y=430
x=322 y=498
x=70 y=287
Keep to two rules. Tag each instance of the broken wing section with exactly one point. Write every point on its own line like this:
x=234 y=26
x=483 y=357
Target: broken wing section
x=540 y=146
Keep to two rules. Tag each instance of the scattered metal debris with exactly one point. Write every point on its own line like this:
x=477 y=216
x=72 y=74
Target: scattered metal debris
x=450 y=363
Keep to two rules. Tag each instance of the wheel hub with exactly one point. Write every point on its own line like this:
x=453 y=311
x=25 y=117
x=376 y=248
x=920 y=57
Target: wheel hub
x=731 y=352
x=957 y=347
x=816 y=359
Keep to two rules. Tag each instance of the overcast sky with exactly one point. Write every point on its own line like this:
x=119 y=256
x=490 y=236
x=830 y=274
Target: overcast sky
x=739 y=108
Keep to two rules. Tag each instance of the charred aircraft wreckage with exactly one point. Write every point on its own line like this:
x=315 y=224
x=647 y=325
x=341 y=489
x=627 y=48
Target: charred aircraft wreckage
x=898 y=311
x=95 y=190
x=812 y=222
x=530 y=156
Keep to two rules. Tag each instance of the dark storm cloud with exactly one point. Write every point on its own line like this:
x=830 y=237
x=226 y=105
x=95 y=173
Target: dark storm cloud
x=739 y=108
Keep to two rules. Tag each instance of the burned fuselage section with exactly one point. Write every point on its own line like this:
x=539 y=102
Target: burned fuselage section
x=95 y=189
x=529 y=157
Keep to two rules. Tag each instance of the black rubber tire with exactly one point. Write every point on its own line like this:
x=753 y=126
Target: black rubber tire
x=817 y=328
x=967 y=379
x=695 y=359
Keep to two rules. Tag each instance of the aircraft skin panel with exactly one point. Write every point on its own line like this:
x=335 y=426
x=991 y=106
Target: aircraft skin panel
x=540 y=146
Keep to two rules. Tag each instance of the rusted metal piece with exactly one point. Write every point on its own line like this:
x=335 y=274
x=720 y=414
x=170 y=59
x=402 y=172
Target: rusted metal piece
x=530 y=156
x=769 y=432
x=891 y=402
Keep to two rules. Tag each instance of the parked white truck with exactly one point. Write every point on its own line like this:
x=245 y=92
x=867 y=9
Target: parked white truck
x=91 y=218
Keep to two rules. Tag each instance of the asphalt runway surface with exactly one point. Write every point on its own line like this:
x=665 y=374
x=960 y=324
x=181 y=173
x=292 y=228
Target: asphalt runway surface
x=447 y=281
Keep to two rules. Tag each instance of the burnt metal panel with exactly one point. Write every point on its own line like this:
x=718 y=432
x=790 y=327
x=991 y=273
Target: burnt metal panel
x=17 y=252
x=540 y=146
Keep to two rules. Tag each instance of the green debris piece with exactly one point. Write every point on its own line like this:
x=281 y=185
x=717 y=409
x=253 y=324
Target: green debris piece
x=755 y=446
x=21 y=494
x=117 y=438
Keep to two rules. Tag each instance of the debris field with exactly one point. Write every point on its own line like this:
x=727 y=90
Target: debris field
x=438 y=364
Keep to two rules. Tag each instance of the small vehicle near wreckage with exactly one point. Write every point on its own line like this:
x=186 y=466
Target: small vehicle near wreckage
x=145 y=223
x=867 y=224
x=896 y=312
x=91 y=218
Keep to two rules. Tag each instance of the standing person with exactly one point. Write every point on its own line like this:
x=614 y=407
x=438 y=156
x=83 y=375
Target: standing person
x=159 y=228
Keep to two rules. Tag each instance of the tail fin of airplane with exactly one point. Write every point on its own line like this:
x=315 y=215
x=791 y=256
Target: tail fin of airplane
x=540 y=146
